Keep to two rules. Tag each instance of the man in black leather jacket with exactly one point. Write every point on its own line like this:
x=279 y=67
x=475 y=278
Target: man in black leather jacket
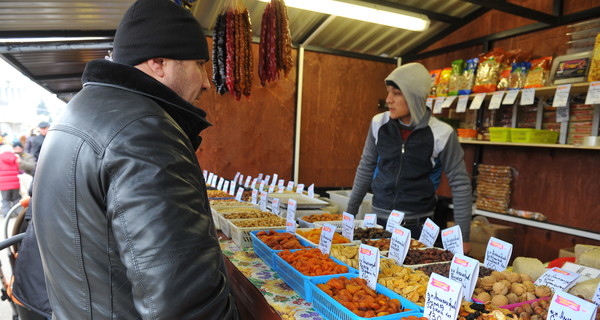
x=120 y=206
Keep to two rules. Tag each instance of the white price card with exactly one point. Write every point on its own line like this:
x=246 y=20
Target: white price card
x=213 y=183
x=239 y=194
x=311 y=190
x=290 y=218
x=510 y=97
x=300 y=188
x=237 y=175
x=565 y=306
x=370 y=220
x=442 y=298
x=225 y=186
x=205 y=174
x=260 y=177
x=232 y=188
x=275 y=177
x=263 y=200
x=394 y=220
x=253 y=185
x=281 y=185
x=247 y=183
x=261 y=187
x=348 y=226
x=557 y=279
x=437 y=106
x=596 y=297
x=272 y=188
x=254 y=196
x=448 y=102
x=562 y=114
x=368 y=264
x=496 y=100
x=290 y=186
x=465 y=270
x=210 y=177
x=527 y=96
x=561 y=96
x=452 y=240
x=461 y=106
x=429 y=102
x=477 y=101
x=429 y=233
x=326 y=239
x=241 y=180
x=593 y=94
x=585 y=273
x=497 y=254
x=275 y=206
x=220 y=184
x=399 y=244
x=266 y=180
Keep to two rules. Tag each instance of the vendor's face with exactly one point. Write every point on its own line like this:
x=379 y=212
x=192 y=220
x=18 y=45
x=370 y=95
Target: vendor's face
x=188 y=78
x=397 y=105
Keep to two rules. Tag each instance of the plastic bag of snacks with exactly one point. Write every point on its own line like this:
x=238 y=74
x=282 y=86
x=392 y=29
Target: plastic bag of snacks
x=511 y=57
x=518 y=74
x=538 y=74
x=435 y=79
x=489 y=68
x=468 y=78
x=442 y=87
x=455 y=76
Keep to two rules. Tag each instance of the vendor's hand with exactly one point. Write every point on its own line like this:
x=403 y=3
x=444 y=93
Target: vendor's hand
x=466 y=247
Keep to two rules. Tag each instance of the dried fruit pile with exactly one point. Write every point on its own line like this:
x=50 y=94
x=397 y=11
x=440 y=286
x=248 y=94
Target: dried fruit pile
x=311 y=262
x=275 y=51
x=279 y=240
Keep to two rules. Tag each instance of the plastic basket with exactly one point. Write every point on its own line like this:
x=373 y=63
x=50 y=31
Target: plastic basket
x=242 y=237
x=265 y=252
x=299 y=282
x=328 y=308
x=525 y=135
x=500 y=134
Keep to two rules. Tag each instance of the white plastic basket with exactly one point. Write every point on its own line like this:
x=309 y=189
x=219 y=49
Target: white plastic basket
x=242 y=237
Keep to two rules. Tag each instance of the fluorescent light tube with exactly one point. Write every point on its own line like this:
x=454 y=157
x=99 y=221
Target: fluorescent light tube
x=364 y=12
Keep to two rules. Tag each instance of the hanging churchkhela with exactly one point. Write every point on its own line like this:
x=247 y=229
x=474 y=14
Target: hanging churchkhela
x=232 y=54
x=275 y=52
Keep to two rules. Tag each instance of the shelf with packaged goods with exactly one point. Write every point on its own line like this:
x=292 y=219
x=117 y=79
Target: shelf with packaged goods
x=538 y=145
x=576 y=88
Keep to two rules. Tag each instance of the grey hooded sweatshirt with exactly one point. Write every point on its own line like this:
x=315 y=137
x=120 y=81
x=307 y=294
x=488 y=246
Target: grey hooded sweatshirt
x=398 y=171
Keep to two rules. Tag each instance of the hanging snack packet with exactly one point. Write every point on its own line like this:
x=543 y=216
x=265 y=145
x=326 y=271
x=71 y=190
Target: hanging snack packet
x=488 y=71
x=435 y=79
x=456 y=77
x=538 y=75
x=468 y=78
x=518 y=75
x=442 y=87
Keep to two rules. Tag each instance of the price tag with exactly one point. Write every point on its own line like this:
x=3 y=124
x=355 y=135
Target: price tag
x=263 y=200
x=241 y=180
x=448 y=102
x=275 y=177
x=260 y=177
x=311 y=190
x=220 y=184
x=465 y=270
x=290 y=186
x=267 y=178
x=348 y=226
x=232 y=188
x=496 y=100
x=205 y=174
x=280 y=186
x=247 y=183
x=399 y=244
x=429 y=102
x=585 y=273
x=593 y=95
x=210 y=177
x=254 y=196
x=326 y=239
x=262 y=186
x=394 y=220
x=511 y=97
x=239 y=194
x=370 y=220
x=527 y=96
x=596 y=297
x=565 y=306
x=300 y=188
x=442 y=298
x=477 y=101
x=452 y=240
x=562 y=114
x=368 y=264
x=253 y=186
x=272 y=188
x=557 y=279
x=461 y=106
x=290 y=224
x=275 y=206
x=429 y=233
x=497 y=254
x=237 y=175
x=225 y=186
x=561 y=96
x=213 y=183
x=437 y=107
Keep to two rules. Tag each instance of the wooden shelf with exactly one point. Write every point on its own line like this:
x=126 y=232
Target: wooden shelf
x=538 y=145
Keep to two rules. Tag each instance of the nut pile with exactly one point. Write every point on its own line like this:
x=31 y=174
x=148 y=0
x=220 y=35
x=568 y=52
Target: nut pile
x=421 y=256
x=444 y=269
x=503 y=288
x=248 y=215
x=273 y=221
x=537 y=310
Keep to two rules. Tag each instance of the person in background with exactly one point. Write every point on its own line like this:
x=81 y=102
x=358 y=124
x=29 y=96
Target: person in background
x=120 y=209
x=402 y=148
x=27 y=161
x=37 y=141
x=9 y=178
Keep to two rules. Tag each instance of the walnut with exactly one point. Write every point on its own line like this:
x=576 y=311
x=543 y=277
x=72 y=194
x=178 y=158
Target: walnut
x=500 y=288
x=498 y=275
x=499 y=300
x=518 y=289
x=477 y=291
x=484 y=297
x=543 y=291
x=512 y=298
x=525 y=277
x=527 y=296
x=514 y=277
x=487 y=282
x=529 y=285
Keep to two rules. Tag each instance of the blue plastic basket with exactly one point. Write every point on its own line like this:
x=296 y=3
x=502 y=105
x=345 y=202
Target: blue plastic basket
x=330 y=309
x=265 y=252
x=299 y=282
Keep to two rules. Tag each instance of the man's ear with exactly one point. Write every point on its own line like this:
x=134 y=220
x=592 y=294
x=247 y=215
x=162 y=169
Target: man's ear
x=157 y=66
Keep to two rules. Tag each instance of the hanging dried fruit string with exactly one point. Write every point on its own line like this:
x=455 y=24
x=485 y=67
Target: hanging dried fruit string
x=275 y=51
x=232 y=54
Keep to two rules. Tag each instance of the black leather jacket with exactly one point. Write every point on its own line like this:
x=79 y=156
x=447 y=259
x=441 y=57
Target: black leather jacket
x=120 y=206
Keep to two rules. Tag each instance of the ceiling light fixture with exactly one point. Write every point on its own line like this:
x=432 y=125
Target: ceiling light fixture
x=365 y=12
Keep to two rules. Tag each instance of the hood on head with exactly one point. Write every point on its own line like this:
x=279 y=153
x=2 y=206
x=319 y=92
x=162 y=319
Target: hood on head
x=415 y=82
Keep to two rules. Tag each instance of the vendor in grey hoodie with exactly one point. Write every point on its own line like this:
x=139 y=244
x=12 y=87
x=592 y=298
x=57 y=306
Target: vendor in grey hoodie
x=402 y=148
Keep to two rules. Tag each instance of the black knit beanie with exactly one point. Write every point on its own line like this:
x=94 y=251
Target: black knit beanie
x=158 y=29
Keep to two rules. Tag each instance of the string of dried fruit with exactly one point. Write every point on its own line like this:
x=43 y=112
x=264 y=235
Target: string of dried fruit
x=286 y=43
x=237 y=71
x=248 y=62
x=275 y=54
x=230 y=58
x=262 y=48
x=219 y=54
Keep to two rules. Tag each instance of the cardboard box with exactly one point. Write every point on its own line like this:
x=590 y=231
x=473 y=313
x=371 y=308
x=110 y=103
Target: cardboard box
x=566 y=252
